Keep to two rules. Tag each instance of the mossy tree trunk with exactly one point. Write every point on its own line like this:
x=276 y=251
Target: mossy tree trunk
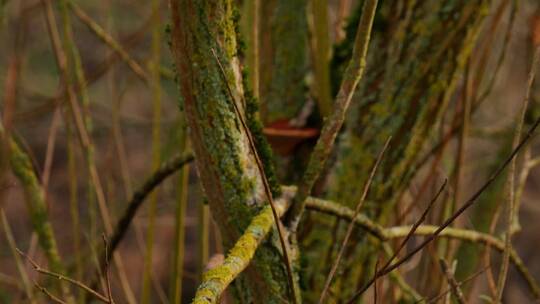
x=283 y=59
x=417 y=52
x=203 y=39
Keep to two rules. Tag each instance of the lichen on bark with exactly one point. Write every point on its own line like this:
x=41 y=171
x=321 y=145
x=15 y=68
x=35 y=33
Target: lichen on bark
x=418 y=53
x=202 y=31
x=284 y=58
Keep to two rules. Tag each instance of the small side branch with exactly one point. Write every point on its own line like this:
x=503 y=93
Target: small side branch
x=472 y=237
x=217 y=279
x=138 y=198
x=449 y=273
x=61 y=277
x=385 y=234
x=107 y=39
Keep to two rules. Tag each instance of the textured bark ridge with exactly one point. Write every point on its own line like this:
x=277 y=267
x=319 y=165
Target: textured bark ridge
x=420 y=51
x=284 y=37
x=226 y=165
x=415 y=56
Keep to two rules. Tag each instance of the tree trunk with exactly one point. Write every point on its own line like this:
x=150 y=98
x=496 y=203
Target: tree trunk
x=417 y=51
x=203 y=39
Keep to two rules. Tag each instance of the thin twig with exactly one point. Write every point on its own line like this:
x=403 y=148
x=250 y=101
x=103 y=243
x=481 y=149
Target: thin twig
x=353 y=75
x=351 y=224
x=138 y=197
x=375 y=283
x=466 y=101
x=462 y=209
x=52 y=297
x=25 y=281
x=295 y=293
x=107 y=277
x=180 y=219
x=511 y=179
x=459 y=284
x=61 y=277
x=142 y=248
x=416 y=225
x=49 y=154
x=449 y=273
x=398 y=278
x=107 y=39
x=502 y=55
x=155 y=85
x=520 y=187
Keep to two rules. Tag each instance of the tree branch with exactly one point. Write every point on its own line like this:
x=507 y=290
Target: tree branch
x=217 y=279
x=138 y=198
x=351 y=78
x=22 y=168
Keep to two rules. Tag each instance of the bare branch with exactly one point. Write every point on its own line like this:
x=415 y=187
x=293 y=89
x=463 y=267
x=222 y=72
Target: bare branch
x=416 y=225
x=351 y=224
x=138 y=198
x=52 y=297
x=456 y=214
x=351 y=78
x=512 y=214
x=449 y=273
x=107 y=39
x=61 y=277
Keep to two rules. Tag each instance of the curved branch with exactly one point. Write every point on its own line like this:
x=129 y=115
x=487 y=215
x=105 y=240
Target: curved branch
x=166 y=169
x=473 y=237
x=346 y=213
x=385 y=234
x=138 y=197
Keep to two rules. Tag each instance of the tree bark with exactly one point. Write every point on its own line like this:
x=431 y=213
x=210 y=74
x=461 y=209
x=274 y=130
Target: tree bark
x=203 y=37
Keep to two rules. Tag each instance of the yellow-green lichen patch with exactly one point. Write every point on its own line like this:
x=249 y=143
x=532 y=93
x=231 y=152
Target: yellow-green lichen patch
x=217 y=279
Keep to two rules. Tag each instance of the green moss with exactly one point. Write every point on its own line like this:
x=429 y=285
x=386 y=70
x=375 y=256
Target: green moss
x=239 y=257
x=226 y=164
x=412 y=69
x=282 y=86
x=263 y=147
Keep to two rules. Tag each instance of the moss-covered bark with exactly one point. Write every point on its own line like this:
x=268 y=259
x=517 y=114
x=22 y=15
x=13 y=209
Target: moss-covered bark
x=202 y=31
x=283 y=58
x=419 y=50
